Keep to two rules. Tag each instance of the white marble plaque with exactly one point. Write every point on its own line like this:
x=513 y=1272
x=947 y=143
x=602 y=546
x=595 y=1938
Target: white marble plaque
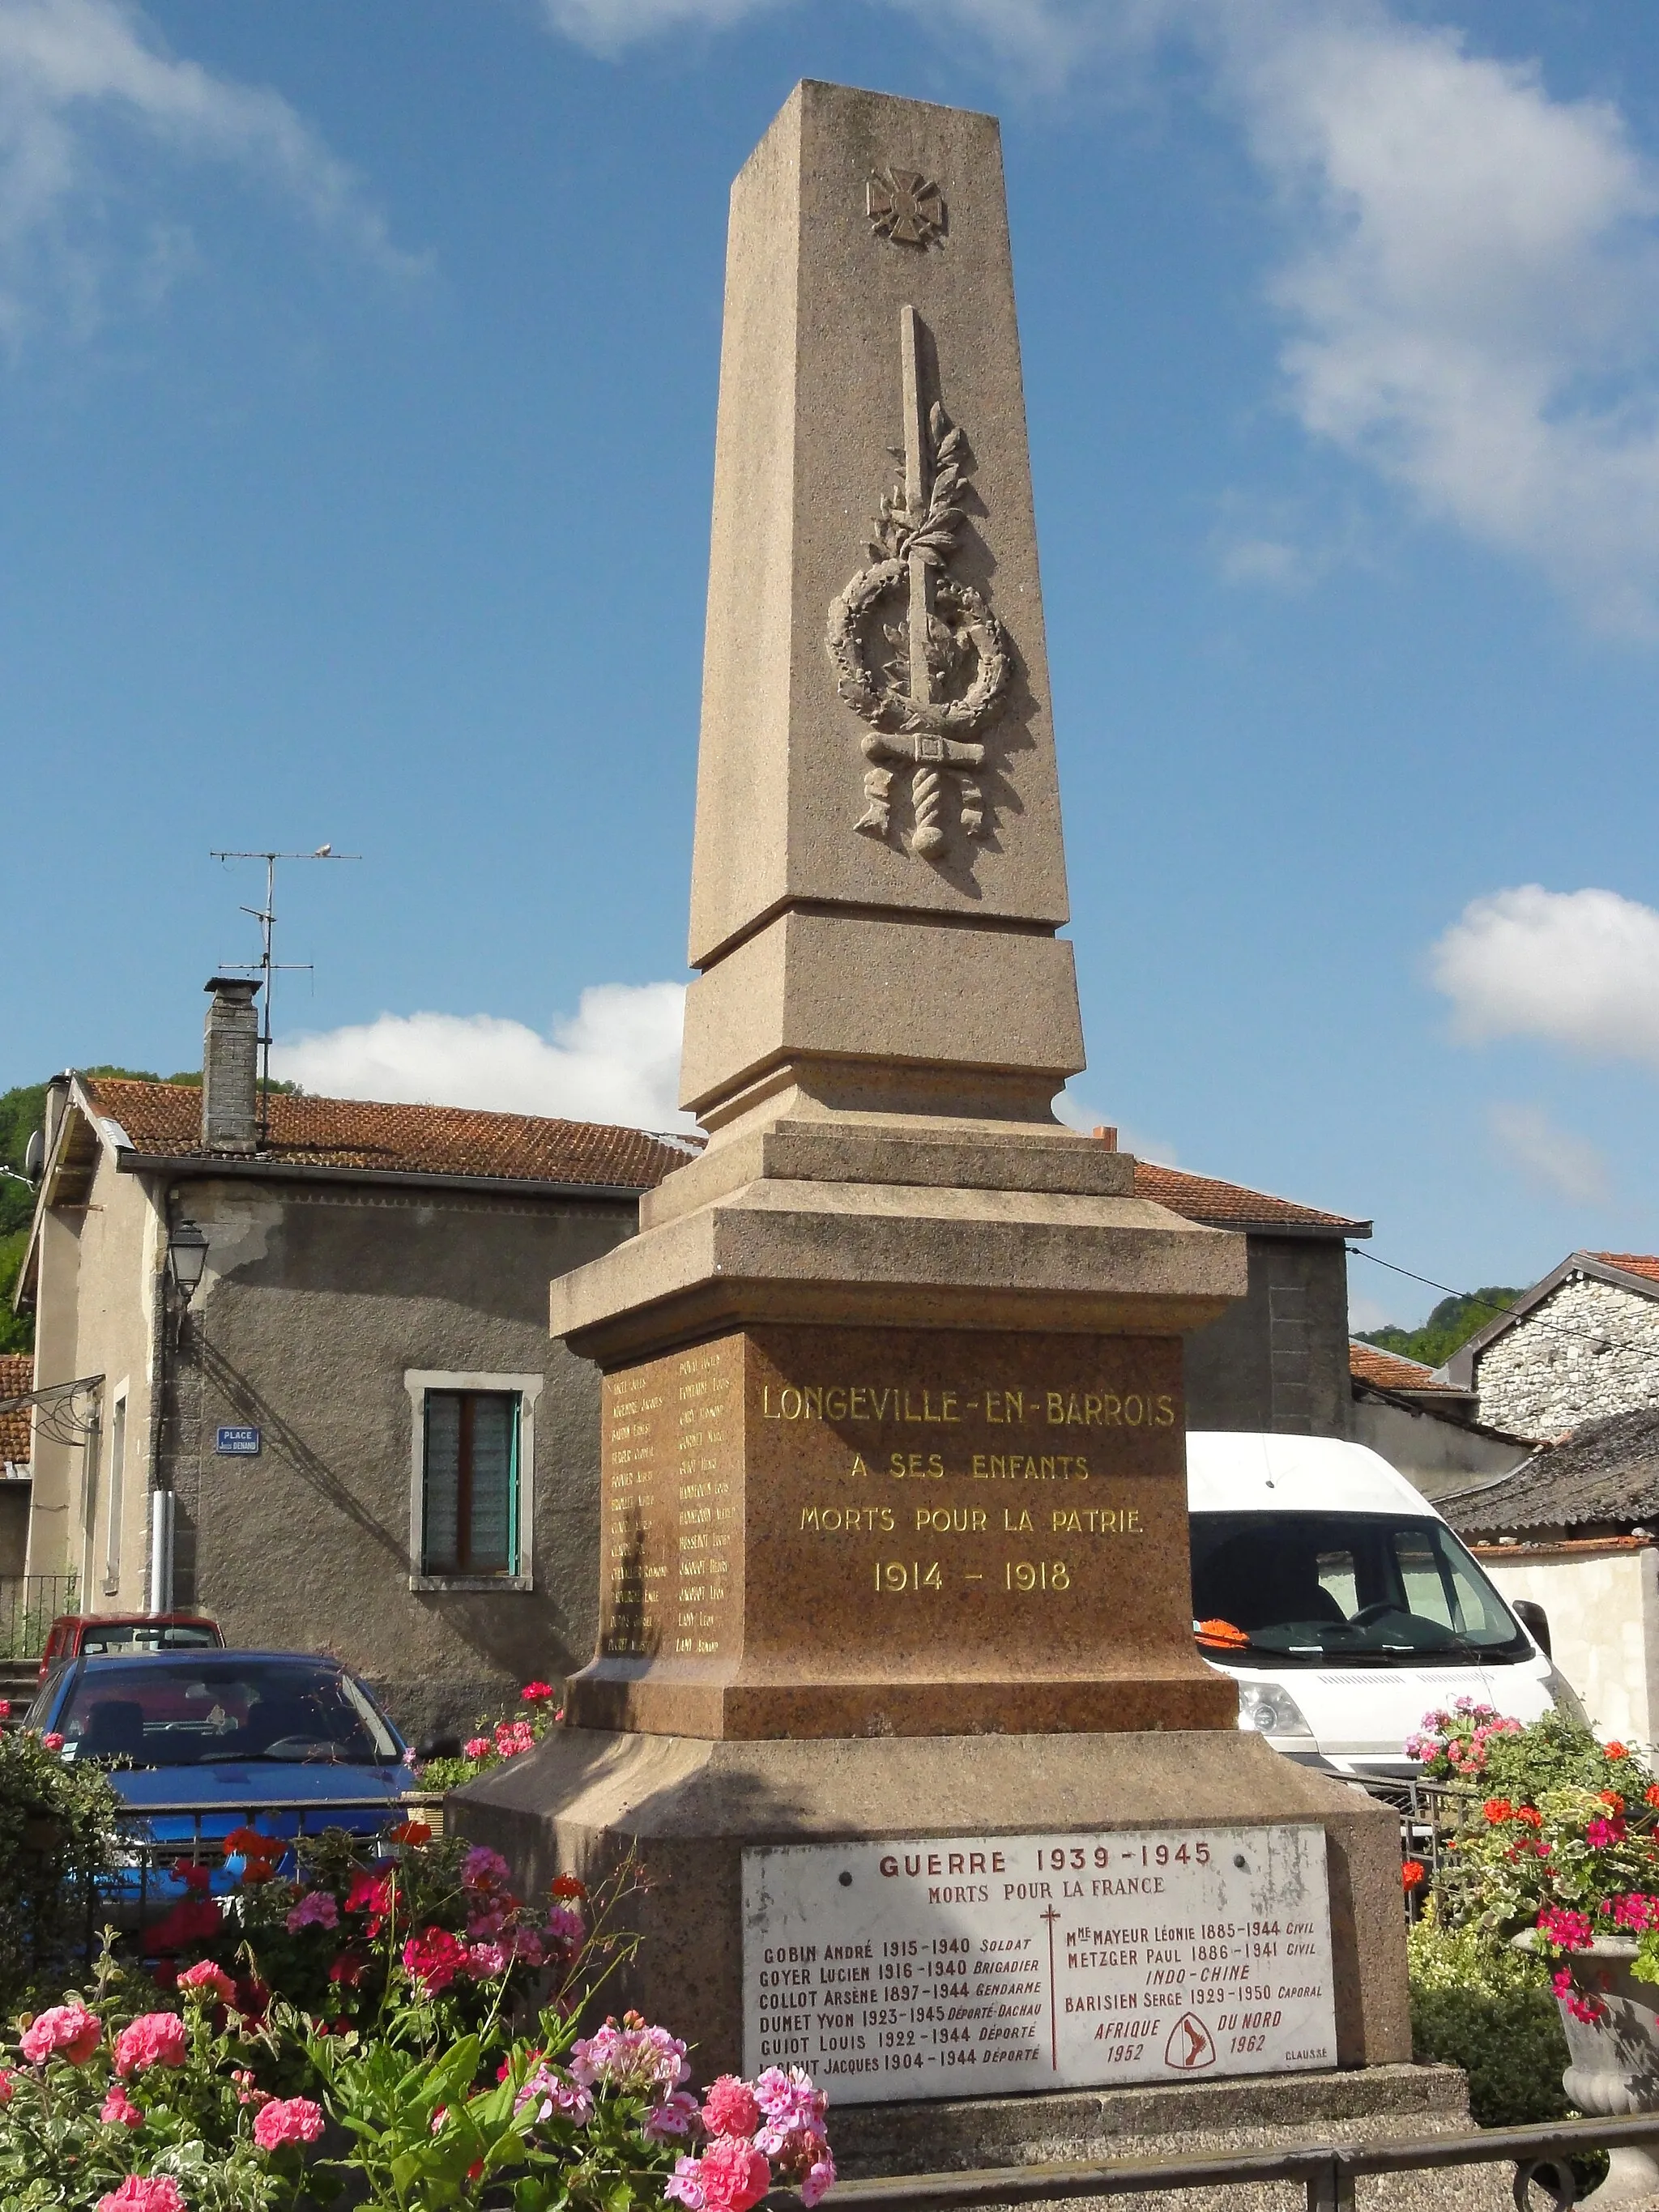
x=980 y=1965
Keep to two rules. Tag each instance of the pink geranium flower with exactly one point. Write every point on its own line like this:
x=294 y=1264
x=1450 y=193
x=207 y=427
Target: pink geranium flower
x=118 y=2109
x=734 y=2175
x=286 y=2120
x=63 y=2031
x=319 y=1910
x=632 y=2059
x=672 y=2117
x=155 y=2192
x=555 y=2098
x=477 y=1747
x=729 y=2107
x=7 y=2092
x=482 y=1868
x=433 y=1958
x=154 y=2039
x=1571 y=1931
x=207 y=1983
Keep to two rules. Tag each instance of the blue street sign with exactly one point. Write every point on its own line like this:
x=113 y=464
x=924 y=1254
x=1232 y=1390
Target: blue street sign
x=238 y=1443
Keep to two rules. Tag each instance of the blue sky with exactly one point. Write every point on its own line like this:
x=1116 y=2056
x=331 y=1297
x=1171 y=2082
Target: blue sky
x=357 y=372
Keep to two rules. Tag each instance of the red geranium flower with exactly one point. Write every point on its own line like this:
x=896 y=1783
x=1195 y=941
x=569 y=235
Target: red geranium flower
x=1411 y=1873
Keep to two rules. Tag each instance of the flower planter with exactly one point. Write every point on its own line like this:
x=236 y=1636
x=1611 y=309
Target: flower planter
x=1613 y=2060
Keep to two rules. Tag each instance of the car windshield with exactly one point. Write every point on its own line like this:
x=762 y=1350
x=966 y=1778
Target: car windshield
x=198 y=1712
x=1366 y=1589
x=147 y=1636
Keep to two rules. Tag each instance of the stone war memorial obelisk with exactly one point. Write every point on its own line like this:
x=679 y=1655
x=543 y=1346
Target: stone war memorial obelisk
x=895 y=1691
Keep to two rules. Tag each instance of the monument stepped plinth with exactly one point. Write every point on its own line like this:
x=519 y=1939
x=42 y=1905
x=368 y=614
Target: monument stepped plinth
x=895 y=1569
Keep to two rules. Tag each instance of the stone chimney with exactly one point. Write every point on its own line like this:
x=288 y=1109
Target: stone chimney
x=230 y=1067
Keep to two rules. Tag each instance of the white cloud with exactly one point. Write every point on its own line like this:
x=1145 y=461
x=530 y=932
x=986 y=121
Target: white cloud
x=1475 y=283
x=1579 y=969
x=1365 y=1315
x=605 y=26
x=73 y=74
x=1549 y=1158
x=616 y=1060
x=1473 y=267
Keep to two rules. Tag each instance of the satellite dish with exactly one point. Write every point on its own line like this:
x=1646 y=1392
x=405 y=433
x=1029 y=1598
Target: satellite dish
x=35 y=1156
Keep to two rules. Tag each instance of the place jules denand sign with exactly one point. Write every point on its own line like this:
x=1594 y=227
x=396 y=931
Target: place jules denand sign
x=918 y=1497
x=974 y=1967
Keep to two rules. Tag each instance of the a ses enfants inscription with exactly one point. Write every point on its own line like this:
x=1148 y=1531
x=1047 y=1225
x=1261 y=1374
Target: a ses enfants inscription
x=979 y=1965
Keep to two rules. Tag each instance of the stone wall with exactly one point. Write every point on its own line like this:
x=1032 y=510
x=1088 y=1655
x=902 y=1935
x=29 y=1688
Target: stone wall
x=1566 y=1362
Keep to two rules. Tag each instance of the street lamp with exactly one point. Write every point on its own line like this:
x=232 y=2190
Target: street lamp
x=187 y=1251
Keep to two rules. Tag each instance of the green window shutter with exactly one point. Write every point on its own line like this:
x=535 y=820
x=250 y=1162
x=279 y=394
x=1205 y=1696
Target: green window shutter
x=469 y=1483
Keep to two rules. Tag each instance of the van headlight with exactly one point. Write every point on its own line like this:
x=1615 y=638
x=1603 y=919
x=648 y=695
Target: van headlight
x=1269 y=1708
x=1565 y=1698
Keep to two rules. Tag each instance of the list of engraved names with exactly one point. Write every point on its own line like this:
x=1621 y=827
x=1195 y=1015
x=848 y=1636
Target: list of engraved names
x=977 y=1965
x=670 y=1514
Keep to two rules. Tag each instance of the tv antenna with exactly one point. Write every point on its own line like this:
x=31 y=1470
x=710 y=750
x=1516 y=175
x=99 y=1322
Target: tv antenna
x=266 y=967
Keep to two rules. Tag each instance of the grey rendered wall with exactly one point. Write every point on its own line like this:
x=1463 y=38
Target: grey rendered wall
x=316 y=1301
x=1436 y=1456
x=1278 y=1361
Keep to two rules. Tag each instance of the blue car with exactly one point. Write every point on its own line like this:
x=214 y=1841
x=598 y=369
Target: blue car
x=201 y=1744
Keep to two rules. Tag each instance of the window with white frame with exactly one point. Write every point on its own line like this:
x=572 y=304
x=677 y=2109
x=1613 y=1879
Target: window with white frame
x=471 y=1479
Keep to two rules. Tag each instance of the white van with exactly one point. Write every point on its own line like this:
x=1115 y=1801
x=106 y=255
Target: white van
x=1344 y=1607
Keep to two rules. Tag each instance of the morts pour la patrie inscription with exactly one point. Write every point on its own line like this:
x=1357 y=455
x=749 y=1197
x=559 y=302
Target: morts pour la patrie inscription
x=989 y=1527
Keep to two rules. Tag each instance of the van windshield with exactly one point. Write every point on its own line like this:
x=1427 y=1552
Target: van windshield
x=1366 y=1589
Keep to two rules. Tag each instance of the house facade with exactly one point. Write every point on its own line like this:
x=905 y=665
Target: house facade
x=1580 y=1345
x=357 y=1435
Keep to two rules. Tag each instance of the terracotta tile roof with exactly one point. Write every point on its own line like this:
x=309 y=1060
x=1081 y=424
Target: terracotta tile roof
x=16 y=1380
x=1631 y=1263
x=1369 y=1362
x=1229 y=1205
x=164 y=1119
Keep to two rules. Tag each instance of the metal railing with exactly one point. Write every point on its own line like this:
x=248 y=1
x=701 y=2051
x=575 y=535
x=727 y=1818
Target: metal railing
x=1429 y=1813
x=28 y=1606
x=1328 y=2170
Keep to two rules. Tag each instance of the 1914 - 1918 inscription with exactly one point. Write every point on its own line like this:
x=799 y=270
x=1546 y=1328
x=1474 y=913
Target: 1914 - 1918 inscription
x=977 y=1965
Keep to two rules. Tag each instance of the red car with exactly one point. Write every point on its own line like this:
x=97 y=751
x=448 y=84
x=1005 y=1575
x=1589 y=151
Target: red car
x=72 y=1633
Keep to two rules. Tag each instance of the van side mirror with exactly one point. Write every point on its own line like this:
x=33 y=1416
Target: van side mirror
x=1536 y=1622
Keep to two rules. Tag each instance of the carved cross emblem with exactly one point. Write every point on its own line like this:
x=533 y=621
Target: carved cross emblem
x=905 y=206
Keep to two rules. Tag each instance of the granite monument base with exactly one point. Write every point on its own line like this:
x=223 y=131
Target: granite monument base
x=690 y=1808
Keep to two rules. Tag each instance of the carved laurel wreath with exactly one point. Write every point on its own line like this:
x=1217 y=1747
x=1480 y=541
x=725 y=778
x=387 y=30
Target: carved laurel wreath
x=882 y=704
